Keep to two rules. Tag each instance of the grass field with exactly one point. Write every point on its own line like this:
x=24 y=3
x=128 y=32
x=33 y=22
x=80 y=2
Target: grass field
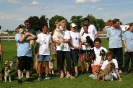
x=83 y=81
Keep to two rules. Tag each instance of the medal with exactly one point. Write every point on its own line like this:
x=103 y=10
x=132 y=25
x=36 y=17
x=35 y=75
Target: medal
x=76 y=38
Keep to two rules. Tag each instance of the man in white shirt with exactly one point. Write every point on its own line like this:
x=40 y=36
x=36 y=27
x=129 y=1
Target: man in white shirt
x=91 y=29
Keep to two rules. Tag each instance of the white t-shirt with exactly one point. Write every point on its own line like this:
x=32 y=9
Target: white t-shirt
x=66 y=47
x=74 y=39
x=44 y=41
x=106 y=62
x=83 y=39
x=98 y=57
x=91 y=31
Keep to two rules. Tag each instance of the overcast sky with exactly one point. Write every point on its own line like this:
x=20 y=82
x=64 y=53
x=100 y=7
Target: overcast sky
x=14 y=12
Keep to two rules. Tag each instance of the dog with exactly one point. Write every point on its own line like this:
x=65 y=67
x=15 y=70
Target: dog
x=90 y=56
x=10 y=63
x=58 y=35
x=51 y=67
x=7 y=73
x=22 y=32
x=103 y=56
x=102 y=73
x=89 y=41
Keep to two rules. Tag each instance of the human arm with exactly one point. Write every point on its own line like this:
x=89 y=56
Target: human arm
x=118 y=74
x=37 y=50
x=125 y=45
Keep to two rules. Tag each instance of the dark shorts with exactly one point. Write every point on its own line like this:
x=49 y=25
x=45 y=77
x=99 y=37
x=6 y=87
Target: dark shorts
x=24 y=63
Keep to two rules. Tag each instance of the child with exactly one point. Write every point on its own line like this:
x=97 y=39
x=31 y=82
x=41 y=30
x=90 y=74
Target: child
x=115 y=72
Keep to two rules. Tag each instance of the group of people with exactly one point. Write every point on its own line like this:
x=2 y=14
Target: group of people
x=75 y=46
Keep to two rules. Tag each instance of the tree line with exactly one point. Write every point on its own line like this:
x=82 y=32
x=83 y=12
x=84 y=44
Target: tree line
x=36 y=22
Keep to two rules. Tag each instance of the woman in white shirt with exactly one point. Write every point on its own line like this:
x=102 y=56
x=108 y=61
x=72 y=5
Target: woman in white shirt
x=75 y=45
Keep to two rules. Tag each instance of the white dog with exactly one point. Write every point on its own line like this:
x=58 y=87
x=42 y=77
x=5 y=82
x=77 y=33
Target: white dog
x=58 y=35
x=7 y=73
x=51 y=67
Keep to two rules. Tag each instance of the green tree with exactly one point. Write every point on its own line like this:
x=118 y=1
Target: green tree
x=43 y=20
x=77 y=20
x=34 y=22
x=100 y=24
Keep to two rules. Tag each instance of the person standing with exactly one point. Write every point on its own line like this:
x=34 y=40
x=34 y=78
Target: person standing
x=43 y=51
x=114 y=36
x=84 y=49
x=24 y=55
x=128 y=44
x=32 y=31
x=91 y=29
x=75 y=46
x=64 y=52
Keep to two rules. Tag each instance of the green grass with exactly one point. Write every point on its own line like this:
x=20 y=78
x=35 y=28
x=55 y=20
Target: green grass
x=83 y=81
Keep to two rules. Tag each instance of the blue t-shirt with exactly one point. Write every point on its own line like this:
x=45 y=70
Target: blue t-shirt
x=114 y=36
x=22 y=47
x=128 y=37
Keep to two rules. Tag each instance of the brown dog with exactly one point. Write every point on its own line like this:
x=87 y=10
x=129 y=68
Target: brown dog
x=102 y=73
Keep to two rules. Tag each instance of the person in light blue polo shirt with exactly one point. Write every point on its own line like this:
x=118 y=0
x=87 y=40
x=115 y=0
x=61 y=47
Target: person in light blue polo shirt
x=128 y=44
x=114 y=35
x=24 y=55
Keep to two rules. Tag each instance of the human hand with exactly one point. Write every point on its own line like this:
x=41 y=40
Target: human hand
x=120 y=80
x=59 y=42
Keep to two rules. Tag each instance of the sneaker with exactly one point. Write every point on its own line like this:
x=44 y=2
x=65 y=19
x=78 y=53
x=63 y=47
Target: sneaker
x=120 y=71
x=91 y=75
x=29 y=80
x=19 y=81
x=125 y=73
x=69 y=76
x=47 y=77
x=76 y=75
x=39 y=78
x=61 y=75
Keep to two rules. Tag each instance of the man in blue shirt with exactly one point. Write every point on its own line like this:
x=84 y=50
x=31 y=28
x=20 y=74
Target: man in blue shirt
x=114 y=35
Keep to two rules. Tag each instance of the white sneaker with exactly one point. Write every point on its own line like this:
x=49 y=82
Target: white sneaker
x=91 y=75
x=120 y=71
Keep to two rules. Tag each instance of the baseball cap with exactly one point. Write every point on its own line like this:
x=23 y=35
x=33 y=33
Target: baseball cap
x=73 y=25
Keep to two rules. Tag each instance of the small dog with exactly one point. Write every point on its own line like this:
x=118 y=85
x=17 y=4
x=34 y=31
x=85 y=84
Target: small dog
x=10 y=63
x=51 y=67
x=103 y=56
x=102 y=73
x=58 y=35
x=89 y=40
x=90 y=56
x=22 y=32
x=7 y=73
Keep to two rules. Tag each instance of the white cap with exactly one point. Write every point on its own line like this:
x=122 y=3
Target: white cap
x=73 y=25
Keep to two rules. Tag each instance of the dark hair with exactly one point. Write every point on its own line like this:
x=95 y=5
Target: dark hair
x=44 y=25
x=85 y=25
x=109 y=53
x=131 y=24
x=115 y=20
x=26 y=21
x=86 y=19
x=97 y=40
